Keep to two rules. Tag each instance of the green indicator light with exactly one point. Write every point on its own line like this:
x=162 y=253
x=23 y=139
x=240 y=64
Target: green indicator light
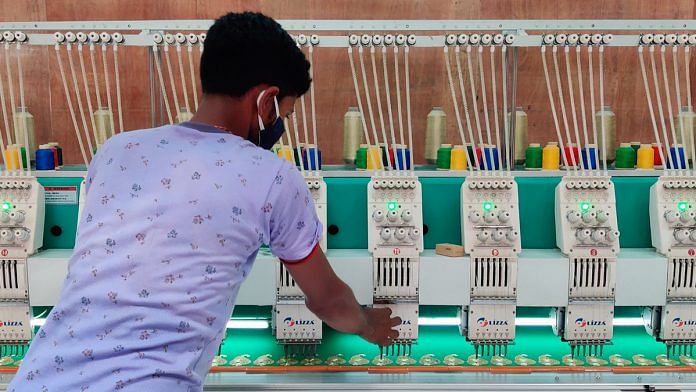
x=391 y=206
x=585 y=206
x=683 y=206
x=6 y=206
x=487 y=206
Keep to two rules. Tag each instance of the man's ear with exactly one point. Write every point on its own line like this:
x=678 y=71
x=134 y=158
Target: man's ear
x=267 y=104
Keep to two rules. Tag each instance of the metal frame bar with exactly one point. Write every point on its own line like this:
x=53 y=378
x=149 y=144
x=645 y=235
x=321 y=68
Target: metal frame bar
x=372 y=25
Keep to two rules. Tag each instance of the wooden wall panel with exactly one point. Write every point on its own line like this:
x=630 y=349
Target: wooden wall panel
x=624 y=91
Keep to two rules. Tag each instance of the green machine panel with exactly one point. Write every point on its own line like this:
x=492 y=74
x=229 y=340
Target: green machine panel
x=60 y=225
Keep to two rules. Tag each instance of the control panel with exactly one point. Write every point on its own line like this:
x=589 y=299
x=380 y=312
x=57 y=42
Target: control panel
x=586 y=224
x=490 y=216
x=673 y=216
x=395 y=216
x=21 y=216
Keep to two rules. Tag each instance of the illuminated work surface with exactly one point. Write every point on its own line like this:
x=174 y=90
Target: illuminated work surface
x=542 y=278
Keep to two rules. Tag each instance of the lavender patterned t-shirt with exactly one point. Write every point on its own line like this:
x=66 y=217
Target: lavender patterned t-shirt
x=172 y=224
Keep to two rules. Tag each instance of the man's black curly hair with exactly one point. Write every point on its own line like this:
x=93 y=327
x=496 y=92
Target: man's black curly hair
x=243 y=50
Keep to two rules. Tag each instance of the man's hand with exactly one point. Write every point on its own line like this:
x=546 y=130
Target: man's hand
x=328 y=297
x=380 y=326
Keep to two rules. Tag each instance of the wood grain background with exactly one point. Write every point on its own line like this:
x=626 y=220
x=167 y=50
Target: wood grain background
x=624 y=90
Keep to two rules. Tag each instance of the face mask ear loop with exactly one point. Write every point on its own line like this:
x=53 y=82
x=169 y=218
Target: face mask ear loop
x=277 y=108
x=258 y=111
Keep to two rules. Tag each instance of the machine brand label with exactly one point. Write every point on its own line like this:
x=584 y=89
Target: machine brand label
x=406 y=322
x=290 y=322
x=679 y=323
x=582 y=323
x=60 y=194
x=11 y=324
x=484 y=322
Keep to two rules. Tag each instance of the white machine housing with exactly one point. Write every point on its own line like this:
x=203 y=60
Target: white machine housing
x=490 y=216
x=492 y=322
x=673 y=216
x=294 y=323
x=395 y=220
x=22 y=224
x=317 y=188
x=15 y=323
x=587 y=323
x=586 y=224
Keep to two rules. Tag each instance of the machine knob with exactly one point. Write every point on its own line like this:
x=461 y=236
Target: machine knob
x=489 y=217
x=598 y=235
x=21 y=234
x=573 y=216
x=414 y=234
x=687 y=217
x=406 y=215
x=602 y=216
x=612 y=235
x=392 y=216
x=671 y=216
x=512 y=235
x=504 y=216
x=385 y=233
x=17 y=216
x=474 y=216
x=378 y=215
x=6 y=235
x=692 y=237
x=583 y=234
x=589 y=217
x=4 y=217
x=400 y=234
x=682 y=235
x=498 y=235
x=483 y=235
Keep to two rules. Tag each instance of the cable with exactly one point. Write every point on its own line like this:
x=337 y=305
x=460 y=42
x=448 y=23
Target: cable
x=592 y=104
x=297 y=138
x=398 y=100
x=360 y=105
x=679 y=102
x=571 y=92
x=87 y=93
x=583 y=114
x=486 y=118
x=180 y=61
x=408 y=106
x=158 y=67
x=388 y=93
x=313 y=106
x=10 y=85
x=476 y=114
x=563 y=111
x=95 y=76
x=460 y=75
x=659 y=105
x=494 y=91
x=668 y=97
x=20 y=74
x=369 y=106
x=650 y=105
x=171 y=77
x=553 y=107
x=108 y=89
x=6 y=122
x=601 y=102
x=70 y=105
x=79 y=98
x=506 y=119
x=379 y=105
x=118 y=88
x=194 y=86
x=687 y=70
x=460 y=127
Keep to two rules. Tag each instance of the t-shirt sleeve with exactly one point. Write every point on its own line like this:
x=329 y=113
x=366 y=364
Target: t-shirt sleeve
x=294 y=228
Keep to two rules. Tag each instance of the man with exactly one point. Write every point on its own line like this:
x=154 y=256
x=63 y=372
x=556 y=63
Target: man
x=173 y=220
